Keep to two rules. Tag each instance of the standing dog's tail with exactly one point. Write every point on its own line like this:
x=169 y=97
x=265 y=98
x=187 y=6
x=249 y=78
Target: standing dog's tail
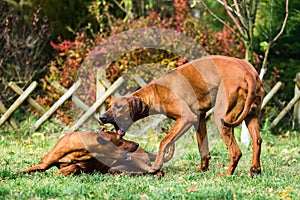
x=247 y=106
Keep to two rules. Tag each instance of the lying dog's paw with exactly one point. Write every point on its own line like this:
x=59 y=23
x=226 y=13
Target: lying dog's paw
x=134 y=173
x=159 y=174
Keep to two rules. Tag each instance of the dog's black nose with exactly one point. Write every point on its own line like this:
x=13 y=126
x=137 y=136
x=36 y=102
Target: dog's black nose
x=103 y=118
x=136 y=145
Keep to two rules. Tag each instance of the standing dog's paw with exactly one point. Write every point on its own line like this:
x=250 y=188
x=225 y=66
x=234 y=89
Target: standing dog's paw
x=155 y=168
x=255 y=171
x=202 y=169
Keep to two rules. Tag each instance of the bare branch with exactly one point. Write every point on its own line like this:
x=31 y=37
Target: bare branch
x=122 y=8
x=240 y=16
x=229 y=12
x=223 y=22
x=284 y=21
x=239 y=21
x=264 y=64
x=237 y=8
x=240 y=13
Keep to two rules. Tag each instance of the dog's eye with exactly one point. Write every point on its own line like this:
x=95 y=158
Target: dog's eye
x=118 y=106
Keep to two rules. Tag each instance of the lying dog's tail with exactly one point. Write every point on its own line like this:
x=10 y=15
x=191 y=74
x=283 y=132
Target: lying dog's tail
x=247 y=106
x=170 y=154
x=36 y=168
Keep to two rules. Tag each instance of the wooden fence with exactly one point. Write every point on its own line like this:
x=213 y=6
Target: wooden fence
x=104 y=90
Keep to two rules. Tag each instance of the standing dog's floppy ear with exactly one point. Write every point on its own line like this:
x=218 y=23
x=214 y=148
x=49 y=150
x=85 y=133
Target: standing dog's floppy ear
x=103 y=139
x=138 y=108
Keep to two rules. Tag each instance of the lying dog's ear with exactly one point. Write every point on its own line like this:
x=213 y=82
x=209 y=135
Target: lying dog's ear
x=103 y=139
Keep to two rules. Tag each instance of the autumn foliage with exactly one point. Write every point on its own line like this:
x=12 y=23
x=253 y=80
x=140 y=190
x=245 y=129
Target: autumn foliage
x=71 y=54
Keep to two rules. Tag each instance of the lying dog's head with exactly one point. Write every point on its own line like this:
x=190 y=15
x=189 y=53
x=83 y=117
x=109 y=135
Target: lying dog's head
x=123 y=112
x=115 y=146
x=115 y=140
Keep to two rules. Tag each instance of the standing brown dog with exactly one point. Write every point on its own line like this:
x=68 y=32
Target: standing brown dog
x=230 y=85
x=102 y=151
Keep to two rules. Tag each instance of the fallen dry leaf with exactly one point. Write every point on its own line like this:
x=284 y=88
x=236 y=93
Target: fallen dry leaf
x=192 y=189
x=144 y=196
x=284 y=195
x=288 y=188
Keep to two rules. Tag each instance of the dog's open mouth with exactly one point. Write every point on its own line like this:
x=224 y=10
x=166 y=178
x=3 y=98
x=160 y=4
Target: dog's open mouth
x=120 y=131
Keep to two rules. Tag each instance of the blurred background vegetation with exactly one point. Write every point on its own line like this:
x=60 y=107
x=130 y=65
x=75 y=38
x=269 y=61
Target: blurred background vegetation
x=48 y=40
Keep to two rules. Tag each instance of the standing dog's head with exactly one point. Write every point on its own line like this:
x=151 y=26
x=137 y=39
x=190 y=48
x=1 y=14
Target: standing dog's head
x=123 y=112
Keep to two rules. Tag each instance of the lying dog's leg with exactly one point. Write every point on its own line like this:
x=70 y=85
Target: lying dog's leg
x=253 y=126
x=123 y=169
x=70 y=169
x=132 y=165
x=61 y=148
x=202 y=140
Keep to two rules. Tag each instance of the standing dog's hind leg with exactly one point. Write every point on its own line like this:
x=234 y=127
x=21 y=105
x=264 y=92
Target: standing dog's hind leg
x=202 y=141
x=227 y=134
x=253 y=126
x=233 y=148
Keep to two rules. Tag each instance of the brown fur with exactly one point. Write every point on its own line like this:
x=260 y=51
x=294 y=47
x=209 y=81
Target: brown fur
x=230 y=85
x=103 y=151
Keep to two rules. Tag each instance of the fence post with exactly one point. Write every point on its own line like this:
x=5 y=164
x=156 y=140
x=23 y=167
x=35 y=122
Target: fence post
x=139 y=80
x=96 y=105
x=18 y=102
x=55 y=106
x=107 y=85
x=75 y=99
x=272 y=92
x=100 y=88
x=285 y=110
x=12 y=122
x=19 y=91
x=297 y=105
x=33 y=103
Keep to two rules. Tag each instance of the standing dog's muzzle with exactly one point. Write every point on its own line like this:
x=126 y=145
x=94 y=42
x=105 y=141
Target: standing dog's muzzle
x=103 y=118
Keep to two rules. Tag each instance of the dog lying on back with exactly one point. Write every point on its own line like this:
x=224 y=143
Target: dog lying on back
x=103 y=151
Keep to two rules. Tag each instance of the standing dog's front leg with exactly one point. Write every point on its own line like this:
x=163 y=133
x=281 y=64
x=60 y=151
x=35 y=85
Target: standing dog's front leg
x=180 y=127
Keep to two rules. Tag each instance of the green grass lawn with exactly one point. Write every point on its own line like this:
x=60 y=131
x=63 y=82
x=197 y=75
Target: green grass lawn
x=280 y=177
